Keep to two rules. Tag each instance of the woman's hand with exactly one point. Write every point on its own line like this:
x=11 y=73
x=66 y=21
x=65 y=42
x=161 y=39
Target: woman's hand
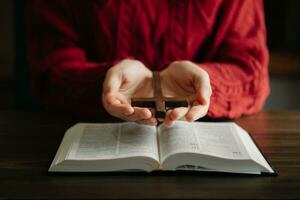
x=184 y=78
x=127 y=79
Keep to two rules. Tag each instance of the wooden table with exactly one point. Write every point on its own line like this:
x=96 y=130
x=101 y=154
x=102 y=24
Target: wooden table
x=29 y=140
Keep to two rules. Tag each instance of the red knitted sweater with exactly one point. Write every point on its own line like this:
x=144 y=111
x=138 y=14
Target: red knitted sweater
x=72 y=43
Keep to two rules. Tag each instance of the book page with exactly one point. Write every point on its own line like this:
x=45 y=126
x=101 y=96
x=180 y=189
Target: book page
x=253 y=150
x=111 y=141
x=214 y=139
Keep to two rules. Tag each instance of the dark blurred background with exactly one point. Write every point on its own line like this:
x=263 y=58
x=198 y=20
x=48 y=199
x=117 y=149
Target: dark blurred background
x=282 y=19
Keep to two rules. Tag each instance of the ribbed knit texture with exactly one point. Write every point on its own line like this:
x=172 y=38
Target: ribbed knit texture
x=72 y=43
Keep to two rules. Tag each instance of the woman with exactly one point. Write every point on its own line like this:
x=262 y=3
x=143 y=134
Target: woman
x=90 y=55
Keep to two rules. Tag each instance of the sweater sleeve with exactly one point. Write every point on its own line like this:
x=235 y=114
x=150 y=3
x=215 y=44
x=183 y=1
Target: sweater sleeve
x=63 y=77
x=238 y=69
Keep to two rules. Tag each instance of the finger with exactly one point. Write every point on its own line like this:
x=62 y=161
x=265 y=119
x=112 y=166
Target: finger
x=120 y=110
x=117 y=105
x=174 y=115
x=196 y=112
x=152 y=110
x=201 y=96
x=139 y=114
x=152 y=121
x=111 y=98
x=167 y=122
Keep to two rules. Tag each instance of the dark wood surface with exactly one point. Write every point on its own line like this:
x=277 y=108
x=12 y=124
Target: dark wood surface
x=29 y=141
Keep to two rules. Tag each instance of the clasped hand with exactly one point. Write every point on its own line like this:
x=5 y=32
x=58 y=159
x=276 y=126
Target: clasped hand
x=131 y=78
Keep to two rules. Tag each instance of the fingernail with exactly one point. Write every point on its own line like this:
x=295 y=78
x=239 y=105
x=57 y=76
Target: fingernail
x=189 y=118
x=167 y=124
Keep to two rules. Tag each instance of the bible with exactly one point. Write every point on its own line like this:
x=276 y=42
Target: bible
x=128 y=146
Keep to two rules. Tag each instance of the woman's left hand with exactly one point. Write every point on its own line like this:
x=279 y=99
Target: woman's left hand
x=184 y=78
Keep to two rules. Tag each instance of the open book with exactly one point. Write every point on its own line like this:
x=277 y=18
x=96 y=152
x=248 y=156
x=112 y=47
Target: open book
x=199 y=146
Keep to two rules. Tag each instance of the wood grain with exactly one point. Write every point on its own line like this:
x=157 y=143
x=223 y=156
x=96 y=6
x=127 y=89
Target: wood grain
x=29 y=141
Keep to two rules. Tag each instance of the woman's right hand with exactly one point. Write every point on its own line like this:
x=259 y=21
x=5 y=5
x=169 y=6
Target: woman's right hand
x=127 y=79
